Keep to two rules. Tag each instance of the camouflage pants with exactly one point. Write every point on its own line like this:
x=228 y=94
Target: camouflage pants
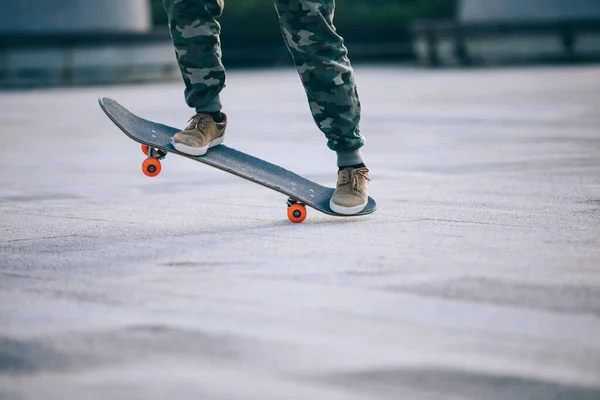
x=318 y=52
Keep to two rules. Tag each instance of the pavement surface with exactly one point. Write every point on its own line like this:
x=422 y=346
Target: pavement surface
x=478 y=278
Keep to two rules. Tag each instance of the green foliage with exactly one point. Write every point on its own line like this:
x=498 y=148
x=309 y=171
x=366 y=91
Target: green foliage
x=254 y=22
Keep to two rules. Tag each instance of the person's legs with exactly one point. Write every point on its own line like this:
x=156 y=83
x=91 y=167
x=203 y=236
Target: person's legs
x=322 y=62
x=195 y=32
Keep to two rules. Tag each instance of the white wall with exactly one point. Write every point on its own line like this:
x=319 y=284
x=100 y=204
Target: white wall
x=20 y=16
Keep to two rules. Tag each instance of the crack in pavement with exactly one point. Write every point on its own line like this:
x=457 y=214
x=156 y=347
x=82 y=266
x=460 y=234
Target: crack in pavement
x=47 y=238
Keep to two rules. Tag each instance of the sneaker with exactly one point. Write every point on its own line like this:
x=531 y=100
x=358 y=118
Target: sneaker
x=351 y=193
x=201 y=134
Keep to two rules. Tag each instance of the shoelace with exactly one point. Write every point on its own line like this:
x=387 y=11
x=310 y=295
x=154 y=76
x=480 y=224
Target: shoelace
x=198 y=121
x=350 y=176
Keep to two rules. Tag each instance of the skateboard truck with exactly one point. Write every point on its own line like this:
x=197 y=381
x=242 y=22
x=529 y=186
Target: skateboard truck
x=152 y=152
x=151 y=165
x=296 y=210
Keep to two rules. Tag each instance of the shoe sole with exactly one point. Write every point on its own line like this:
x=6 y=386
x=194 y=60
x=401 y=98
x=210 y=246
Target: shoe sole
x=197 y=151
x=346 y=210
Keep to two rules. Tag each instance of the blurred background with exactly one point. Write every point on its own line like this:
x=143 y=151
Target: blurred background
x=74 y=42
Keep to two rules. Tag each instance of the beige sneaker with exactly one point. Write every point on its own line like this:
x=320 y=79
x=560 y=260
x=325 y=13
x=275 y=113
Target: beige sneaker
x=351 y=193
x=201 y=134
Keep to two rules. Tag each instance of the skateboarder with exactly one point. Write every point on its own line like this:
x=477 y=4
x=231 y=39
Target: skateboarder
x=324 y=68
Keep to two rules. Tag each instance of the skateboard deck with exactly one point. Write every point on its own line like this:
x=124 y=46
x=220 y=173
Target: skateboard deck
x=157 y=138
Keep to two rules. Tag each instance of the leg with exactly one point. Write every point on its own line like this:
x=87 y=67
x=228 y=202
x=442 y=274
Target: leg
x=322 y=62
x=195 y=32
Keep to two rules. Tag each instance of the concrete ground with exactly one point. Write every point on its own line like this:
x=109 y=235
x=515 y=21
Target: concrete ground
x=478 y=278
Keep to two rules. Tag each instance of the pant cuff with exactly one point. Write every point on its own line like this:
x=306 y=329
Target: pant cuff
x=213 y=106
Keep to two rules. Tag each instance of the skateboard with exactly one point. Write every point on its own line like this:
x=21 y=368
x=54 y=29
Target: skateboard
x=156 y=144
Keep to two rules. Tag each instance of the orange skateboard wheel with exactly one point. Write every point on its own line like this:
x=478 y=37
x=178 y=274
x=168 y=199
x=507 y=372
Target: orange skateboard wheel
x=151 y=167
x=297 y=213
x=145 y=149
